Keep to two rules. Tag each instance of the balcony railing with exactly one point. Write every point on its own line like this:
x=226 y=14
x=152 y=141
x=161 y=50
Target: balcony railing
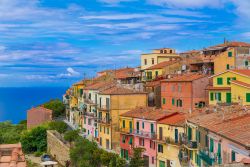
x=103 y=107
x=207 y=156
x=144 y=134
x=126 y=130
x=104 y=120
x=171 y=141
x=90 y=114
x=190 y=144
x=88 y=101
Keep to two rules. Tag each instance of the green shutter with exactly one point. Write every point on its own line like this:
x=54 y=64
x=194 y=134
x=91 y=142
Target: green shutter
x=131 y=141
x=230 y=54
x=152 y=128
x=228 y=97
x=211 y=145
x=247 y=97
x=219 y=96
x=228 y=81
x=233 y=158
x=211 y=96
x=162 y=164
x=122 y=153
x=163 y=101
x=173 y=101
x=219 y=81
x=219 y=153
x=189 y=133
x=228 y=66
x=126 y=154
x=123 y=123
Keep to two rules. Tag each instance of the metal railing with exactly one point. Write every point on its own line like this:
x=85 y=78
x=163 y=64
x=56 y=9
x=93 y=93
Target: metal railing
x=144 y=134
x=207 y=156
x=169 y=140
x=126 y=130
x=103 y=107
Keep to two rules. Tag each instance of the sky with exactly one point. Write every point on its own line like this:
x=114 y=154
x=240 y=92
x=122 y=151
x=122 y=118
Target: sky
x=58 y=42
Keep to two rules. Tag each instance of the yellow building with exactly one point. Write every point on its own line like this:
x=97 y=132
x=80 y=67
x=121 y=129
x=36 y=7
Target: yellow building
x=161 y=69
x=111 y=103
x=158 y=56
x=170 y=132
x=229 y=55
x=232 y=86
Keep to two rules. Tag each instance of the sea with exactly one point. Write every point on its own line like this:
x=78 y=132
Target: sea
x=14 y=102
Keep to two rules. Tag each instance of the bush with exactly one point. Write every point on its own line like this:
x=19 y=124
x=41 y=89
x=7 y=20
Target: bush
x=56 y=106
x=71 y=136
x=35 y=140
x=38 y=154
x=59 y=126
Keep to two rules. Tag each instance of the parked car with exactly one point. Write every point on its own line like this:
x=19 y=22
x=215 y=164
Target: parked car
x=45 y=157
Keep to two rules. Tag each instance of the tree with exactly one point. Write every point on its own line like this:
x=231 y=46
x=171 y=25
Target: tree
x=34 y=140
x=71 y=136
x=59 y=126
x=10 y=133
x=56 y=106
x=137 y=159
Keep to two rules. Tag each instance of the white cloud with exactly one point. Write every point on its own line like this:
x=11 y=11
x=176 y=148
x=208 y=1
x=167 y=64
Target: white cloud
x=187 y=3
x=115 y=16
x=115 y=2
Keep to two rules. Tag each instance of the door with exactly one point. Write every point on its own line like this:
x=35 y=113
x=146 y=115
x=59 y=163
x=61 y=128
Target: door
x=160 y=133
x=176 y=135
x=228 y=97
x=162 y=164
x=146 y=160
x=107 y=103
x=137 y=127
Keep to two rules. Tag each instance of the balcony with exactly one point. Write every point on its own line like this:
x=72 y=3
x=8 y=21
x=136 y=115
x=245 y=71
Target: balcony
x=145 y=134
x=170 y=141
x=207 y=156
x=126 y=130
x=88 y=101
x=104 y=120
x=90 y=114
x=191 y=145
x=103 y=107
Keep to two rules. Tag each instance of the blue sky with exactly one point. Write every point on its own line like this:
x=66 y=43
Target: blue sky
x=57 y=42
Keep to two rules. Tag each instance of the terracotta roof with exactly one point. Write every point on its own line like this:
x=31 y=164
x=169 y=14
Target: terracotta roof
x=234 y=124
x=217 y=88
x=118 y=90
x=126 y=73
x=242 y=71
x=98 y=85
x=148 y=113
x=153 y=83
x=191 y=51
x=234 y=44
x=240 y=83
x=162 y=65
x=186 y=77
x=15 y=158
x=177 y=119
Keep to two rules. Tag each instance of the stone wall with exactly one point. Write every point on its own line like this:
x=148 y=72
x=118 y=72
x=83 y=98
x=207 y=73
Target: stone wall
x=58 y=148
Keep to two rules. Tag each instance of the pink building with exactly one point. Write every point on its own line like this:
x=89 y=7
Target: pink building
x=144 y=120
x=37 y=116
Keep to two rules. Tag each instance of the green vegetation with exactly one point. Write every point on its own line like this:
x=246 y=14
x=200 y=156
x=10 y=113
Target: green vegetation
x=71 y=136
x=87 y=154
x=59 y=126
x=35 y=140
x=10 y=133
x=137 y=159
x=56 y=106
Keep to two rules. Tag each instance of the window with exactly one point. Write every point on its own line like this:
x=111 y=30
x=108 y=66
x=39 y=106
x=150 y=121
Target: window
x=219 y=81
x=123 y=139
x=173 y=101
x=160 y=148
x=247 y=97
x=153 y=61
x=149 y=75
x=211 y=96
x=156 y=73
x=104 y=128
x=189 y=133
x=218 y=96
x=145 y=61
x=152 y=144
x=230 y=54
x=211 y=145
x=179 y=87
x=162 y=164
x=246 y=63
x=163 y=101
x=100 y=141
x=141 y=141
x=153 y=160
x=233 y=156
x=100 y=128
x=123 y=123
x=142 y=125
x=89 y=121
x=228 y=66
x=228 y=81
x=130 y=141
x=107 y=143
x=107 y=130
x=173 y=88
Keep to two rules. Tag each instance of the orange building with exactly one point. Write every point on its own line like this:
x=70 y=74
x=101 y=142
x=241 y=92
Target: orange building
x=184 y=92
x=11 y=155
